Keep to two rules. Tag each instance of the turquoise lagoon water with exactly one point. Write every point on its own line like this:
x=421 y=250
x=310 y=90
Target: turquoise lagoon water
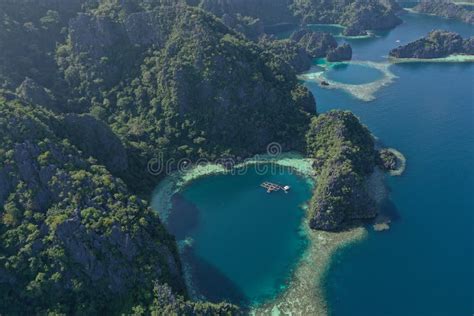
x=245 y=242
x=424 y=264
x=334 y=29
x=353 y=73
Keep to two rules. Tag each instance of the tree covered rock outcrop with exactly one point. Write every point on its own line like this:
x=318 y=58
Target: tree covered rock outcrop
x=317 y=44
x=196 y=105
x=445 y=9
x=33 y=93
x=344 y=155
x=73 y=239
x=29 y=32
x=340 y=53
x=95 y=139
x=357 y=16
x=268 y=11
x=287 y=52
x=306 y=45
x=387 y=160
x=133 y=80
x=436 y=44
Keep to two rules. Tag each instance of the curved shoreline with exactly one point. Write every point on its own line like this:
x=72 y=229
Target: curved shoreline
x=173 y=183
x=365 y=92
x=401 y=159
x=449 y=59
x=304 y=292
x=370 y=33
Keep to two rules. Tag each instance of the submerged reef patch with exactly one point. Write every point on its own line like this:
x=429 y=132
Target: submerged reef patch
x=305 y=292
x=365 y=92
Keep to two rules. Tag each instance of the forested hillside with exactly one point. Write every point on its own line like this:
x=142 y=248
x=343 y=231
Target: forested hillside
x=357 y=15
x=90 y=91
x=97 y=91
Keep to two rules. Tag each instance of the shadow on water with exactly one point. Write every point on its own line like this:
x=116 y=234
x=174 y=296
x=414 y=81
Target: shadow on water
x=183 y=218
x=212 y=283
x=389 y=210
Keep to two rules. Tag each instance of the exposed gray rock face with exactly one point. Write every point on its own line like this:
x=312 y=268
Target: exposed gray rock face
x=468 y=46
x=321 y=44
x=344 y=156
x=33 y=175
x=436 y=44
x=370 y=15
x=269 y=11
x=94 y=34
x=92 y=252
x=446 y=9
x=290 y=52
x=31 y=92
x=96 y=139
x=103 y=238
x=307 y=99
x=329 y=214
x=5 y=184
x=317 y=44
x=340 y=53
x=252 y=28
x=143 y=28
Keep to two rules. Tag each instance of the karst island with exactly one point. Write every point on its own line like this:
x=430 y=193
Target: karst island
x=236 y=157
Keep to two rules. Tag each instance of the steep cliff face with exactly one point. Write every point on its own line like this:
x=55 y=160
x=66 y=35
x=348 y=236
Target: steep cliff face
x=29 y=32
x=445 y=9
x=268 y=11
x=344 y=155
x=73 y=240
x=288 y=52
x=95 y=139
x=340 y=53
x=33 y=93
x=436 y=44
x=357 y=15
x=194 y=107
x=321 y=44
x=317 y=44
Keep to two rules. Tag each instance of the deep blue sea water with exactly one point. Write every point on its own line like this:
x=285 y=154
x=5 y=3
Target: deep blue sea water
x=424 y=264
x=245 y=242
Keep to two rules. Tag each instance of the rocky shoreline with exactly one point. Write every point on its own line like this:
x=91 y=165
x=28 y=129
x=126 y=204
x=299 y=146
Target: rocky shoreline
x=445 y=9
x=437 y=44
x=392 y=161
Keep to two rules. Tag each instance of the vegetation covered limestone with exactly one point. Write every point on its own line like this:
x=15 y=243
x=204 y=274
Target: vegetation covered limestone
x=97 y=90
x=344 y=155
